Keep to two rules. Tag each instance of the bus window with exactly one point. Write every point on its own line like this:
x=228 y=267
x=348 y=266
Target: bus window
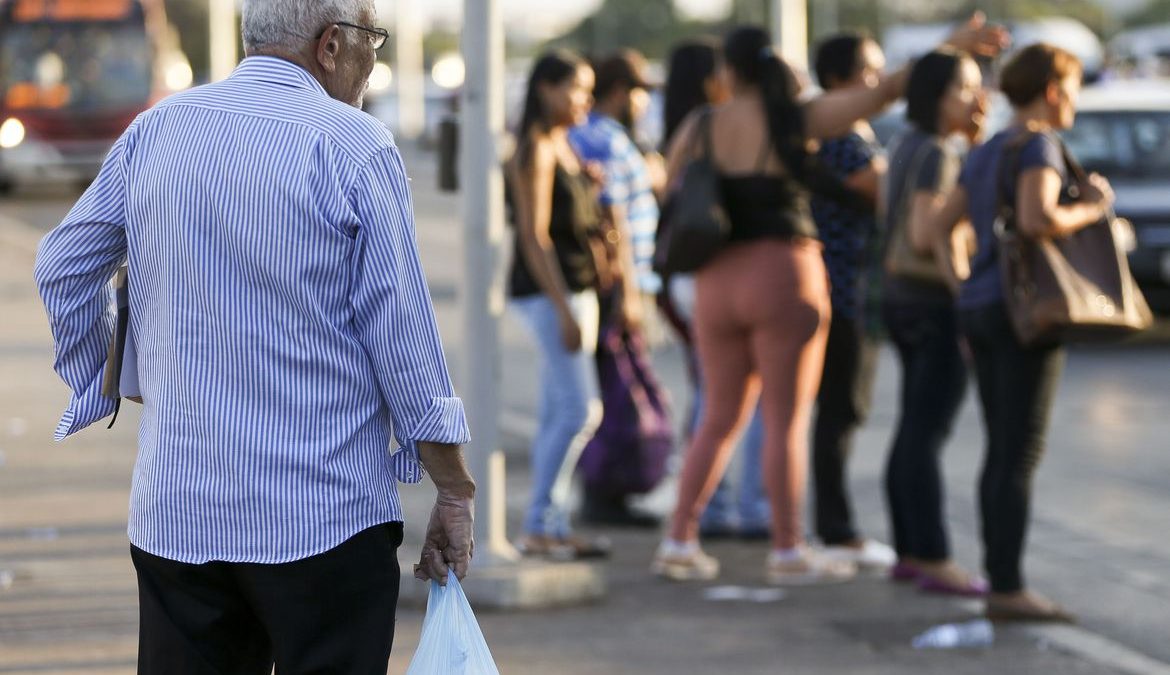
x=100 y=66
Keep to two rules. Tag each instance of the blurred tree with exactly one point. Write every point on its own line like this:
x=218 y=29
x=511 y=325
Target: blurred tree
x=1155 y=12
x=651 y=26
x=189 y=17
x=751 y=11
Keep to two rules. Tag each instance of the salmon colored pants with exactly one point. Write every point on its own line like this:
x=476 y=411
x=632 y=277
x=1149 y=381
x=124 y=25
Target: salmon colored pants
x=761 y=324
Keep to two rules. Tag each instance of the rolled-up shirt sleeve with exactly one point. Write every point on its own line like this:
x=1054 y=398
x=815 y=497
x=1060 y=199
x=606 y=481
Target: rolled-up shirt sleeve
x=395 y=317
x=74 y=265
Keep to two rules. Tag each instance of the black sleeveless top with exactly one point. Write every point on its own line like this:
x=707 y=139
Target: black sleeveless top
x=576 y=216
x=763 y=206
x=760 y=205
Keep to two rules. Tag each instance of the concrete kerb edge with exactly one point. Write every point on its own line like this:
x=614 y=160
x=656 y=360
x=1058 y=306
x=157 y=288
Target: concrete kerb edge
x=526 y=585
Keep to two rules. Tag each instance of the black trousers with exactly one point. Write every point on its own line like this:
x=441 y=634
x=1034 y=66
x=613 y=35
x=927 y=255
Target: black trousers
x=1017 y=387
x=843 y=403
x=330 y=613
x=934 y=382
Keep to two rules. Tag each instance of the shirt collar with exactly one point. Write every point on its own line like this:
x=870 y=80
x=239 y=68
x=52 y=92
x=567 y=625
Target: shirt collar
x=277 y=71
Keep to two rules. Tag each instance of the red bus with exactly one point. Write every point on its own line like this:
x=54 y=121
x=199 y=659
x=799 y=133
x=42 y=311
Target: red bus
x=73 y=75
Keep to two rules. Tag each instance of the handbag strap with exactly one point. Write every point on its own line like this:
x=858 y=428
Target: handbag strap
x=1007 y=175
x=1011 y=160
x=916 y=162
x=703 y=139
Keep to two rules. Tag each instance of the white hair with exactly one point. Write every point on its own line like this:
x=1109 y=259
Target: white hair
x=286 y=23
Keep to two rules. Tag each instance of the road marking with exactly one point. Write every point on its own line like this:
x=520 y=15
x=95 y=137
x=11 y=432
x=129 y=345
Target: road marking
x=1099 y=649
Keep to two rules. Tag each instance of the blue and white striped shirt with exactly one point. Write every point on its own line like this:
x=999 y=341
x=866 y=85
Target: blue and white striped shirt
x=626 y=182
x=283 y=323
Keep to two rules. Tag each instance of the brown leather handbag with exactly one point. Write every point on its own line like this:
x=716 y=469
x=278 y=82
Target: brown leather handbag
x=1070 y=289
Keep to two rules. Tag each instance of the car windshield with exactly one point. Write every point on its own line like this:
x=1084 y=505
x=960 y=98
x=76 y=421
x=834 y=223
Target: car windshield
x=75 y=66
x=1132 y=145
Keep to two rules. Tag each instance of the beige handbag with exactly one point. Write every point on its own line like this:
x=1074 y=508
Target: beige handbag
x=901 y=259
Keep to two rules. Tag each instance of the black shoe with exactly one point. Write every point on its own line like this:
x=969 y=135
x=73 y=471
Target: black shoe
x=618 y=516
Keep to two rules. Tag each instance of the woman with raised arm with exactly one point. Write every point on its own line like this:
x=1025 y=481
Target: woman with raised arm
x=1025 y=166
x=848 y=230
x=762 y=304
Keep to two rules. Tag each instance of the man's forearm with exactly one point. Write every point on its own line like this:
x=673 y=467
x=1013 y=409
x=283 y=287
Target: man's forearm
x=444 y=462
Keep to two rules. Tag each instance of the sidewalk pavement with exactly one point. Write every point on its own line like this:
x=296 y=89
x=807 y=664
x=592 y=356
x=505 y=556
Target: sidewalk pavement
x=68 y=595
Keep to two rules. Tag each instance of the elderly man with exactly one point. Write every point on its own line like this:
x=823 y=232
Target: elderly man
x=283 y=328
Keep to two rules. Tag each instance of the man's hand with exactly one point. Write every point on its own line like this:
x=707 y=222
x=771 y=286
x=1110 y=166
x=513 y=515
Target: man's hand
x=979 y=38
x=449 y=544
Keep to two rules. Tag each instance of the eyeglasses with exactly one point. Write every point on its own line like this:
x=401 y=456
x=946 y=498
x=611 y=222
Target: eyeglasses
x=378 y=36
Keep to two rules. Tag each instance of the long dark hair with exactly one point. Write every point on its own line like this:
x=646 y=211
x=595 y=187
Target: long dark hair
x=691 y=65
x=552 y=68
x=929 y=80
x=837 y=58
x=748 y=52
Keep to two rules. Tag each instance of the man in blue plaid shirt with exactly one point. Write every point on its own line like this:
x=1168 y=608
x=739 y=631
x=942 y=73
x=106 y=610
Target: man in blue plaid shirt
x=627 y=196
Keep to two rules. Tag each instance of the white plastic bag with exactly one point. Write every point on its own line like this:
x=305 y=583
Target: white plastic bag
x=451 y=642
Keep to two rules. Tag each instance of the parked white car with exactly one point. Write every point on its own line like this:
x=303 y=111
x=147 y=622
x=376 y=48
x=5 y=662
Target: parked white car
x=1123 y=132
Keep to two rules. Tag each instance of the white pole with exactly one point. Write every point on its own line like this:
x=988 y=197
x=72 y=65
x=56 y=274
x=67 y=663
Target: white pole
x=224 y=39
x=789 y=20
x=482 y=184
x=408 y=40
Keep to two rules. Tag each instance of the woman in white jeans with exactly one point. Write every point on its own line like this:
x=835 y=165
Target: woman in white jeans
x=554 y=277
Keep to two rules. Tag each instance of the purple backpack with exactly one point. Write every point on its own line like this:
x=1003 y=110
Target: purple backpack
x=630 y=451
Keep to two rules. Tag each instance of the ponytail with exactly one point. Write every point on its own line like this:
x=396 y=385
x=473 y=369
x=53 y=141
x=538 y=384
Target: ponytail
x=749 y=53
x=779 y=89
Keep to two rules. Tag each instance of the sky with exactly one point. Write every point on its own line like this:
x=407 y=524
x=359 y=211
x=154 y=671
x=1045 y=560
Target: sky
x=544 y=16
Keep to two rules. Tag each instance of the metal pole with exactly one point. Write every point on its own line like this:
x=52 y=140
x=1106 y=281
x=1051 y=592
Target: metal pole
x=408 y=40
x=223 y=38
x=789 y=21
x=482 y=183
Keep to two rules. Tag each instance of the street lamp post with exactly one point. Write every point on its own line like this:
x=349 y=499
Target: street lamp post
x=223 y=53
x=408 y=40
x=482 y=183
x=789 y=23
